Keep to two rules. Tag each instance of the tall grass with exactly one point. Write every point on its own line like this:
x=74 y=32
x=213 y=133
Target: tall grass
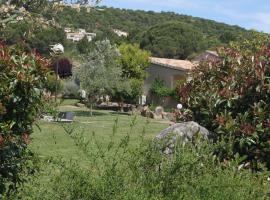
x=119 y=171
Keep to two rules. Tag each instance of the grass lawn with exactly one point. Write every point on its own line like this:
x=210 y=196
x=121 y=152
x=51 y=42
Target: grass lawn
x=53 y=141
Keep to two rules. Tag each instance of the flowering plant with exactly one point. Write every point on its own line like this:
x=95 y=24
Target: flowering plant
x=22 y=79
x=231 y=98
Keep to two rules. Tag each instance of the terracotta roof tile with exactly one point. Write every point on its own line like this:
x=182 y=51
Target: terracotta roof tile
x=173 y=63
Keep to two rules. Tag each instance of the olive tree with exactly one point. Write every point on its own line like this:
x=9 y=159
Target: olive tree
x=100 y=74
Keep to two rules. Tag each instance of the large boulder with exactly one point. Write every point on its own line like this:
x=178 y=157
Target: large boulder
x=186 y=130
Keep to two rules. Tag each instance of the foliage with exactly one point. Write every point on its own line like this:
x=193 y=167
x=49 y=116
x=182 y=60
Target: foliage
x=133 y=62
x=10 y=10
x=142 y=26
x=41 y=38
x=63 y=67
x=173 y=40
x=22 y=78
x=71 y=89
x=34 y=35
x=118 y=171
x=84 y=46
x=158 y=88
x=158 y=32
x=101 y=74
x=53 y=83
x=231 y=98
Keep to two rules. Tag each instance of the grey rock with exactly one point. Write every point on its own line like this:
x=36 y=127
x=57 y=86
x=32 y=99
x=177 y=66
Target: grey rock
x=169 y=116
x=186 y=131
x=155 y=116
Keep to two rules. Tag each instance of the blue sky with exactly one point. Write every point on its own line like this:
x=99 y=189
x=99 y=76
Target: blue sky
x=251 y=14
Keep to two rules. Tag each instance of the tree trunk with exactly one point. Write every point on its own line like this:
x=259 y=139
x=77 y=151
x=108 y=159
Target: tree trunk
x=91 y=109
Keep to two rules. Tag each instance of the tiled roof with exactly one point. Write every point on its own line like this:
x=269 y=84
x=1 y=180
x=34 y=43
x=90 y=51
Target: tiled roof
x=183 y=65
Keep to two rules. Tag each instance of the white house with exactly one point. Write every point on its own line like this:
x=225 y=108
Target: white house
x=120 y=33
x=79 y=35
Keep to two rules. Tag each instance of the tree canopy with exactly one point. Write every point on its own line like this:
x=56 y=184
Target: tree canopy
x=173 y=40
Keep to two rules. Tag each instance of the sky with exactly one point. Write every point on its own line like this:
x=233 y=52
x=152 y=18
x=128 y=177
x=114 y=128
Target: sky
x=250 y=14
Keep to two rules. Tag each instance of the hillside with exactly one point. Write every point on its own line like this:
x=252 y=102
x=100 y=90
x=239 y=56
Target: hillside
x=165 y=34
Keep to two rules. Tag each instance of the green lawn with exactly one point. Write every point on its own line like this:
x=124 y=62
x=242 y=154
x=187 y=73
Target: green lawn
x=52 y=140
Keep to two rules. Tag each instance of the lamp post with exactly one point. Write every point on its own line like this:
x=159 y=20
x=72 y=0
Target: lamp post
x=57 y=49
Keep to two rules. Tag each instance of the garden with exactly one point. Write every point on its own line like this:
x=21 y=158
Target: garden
x=106 y=154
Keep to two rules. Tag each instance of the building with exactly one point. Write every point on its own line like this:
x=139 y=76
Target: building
x=79 y=35
x=168 y=70
x=120 y=33
x=67 y=30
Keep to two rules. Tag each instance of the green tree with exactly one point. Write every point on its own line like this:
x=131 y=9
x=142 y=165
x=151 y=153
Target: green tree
x=133 y=62
x=231 y=98
x=100 y=74
x=22 y=79
x=42 y=38
x=84 y=46
x=173 y=40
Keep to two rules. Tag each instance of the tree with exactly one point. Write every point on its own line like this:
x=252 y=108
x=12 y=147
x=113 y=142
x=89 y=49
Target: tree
x=100 y=74
x=22 y=79
x=133 y=62
x=84 y=46
x=231 y=98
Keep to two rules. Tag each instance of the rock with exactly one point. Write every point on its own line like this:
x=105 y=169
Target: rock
x=186 y=131
x=159 y=111
x=169 y=116
x=155 y=116
x=145 y=111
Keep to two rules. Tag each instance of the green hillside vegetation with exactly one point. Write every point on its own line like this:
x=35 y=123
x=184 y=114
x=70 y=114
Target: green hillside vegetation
x=174 y=40
x=165 y=34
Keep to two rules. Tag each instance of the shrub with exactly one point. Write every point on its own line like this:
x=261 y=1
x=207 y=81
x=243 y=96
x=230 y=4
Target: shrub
x=119 y=171
x=231 y=98
x=158 y=88
x=22 y=78
x=63 y=67
x=71 y=89
x=53 y=84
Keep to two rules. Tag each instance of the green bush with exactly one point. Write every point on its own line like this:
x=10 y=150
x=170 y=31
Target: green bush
x=53 y=83
x=70 y=89
x=158 y=88
x=231 y=98
x=119 y=171
x=22 y=78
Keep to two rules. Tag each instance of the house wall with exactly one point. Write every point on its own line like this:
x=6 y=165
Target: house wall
x=206 y=57
x=168 y=75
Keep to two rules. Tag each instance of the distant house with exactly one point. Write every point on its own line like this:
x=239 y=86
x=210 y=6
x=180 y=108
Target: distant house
x=67 y=30
x=79 y=35
x=168 y=70
x=120 y=33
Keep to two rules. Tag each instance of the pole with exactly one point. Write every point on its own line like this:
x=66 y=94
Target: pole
x=56 y=82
